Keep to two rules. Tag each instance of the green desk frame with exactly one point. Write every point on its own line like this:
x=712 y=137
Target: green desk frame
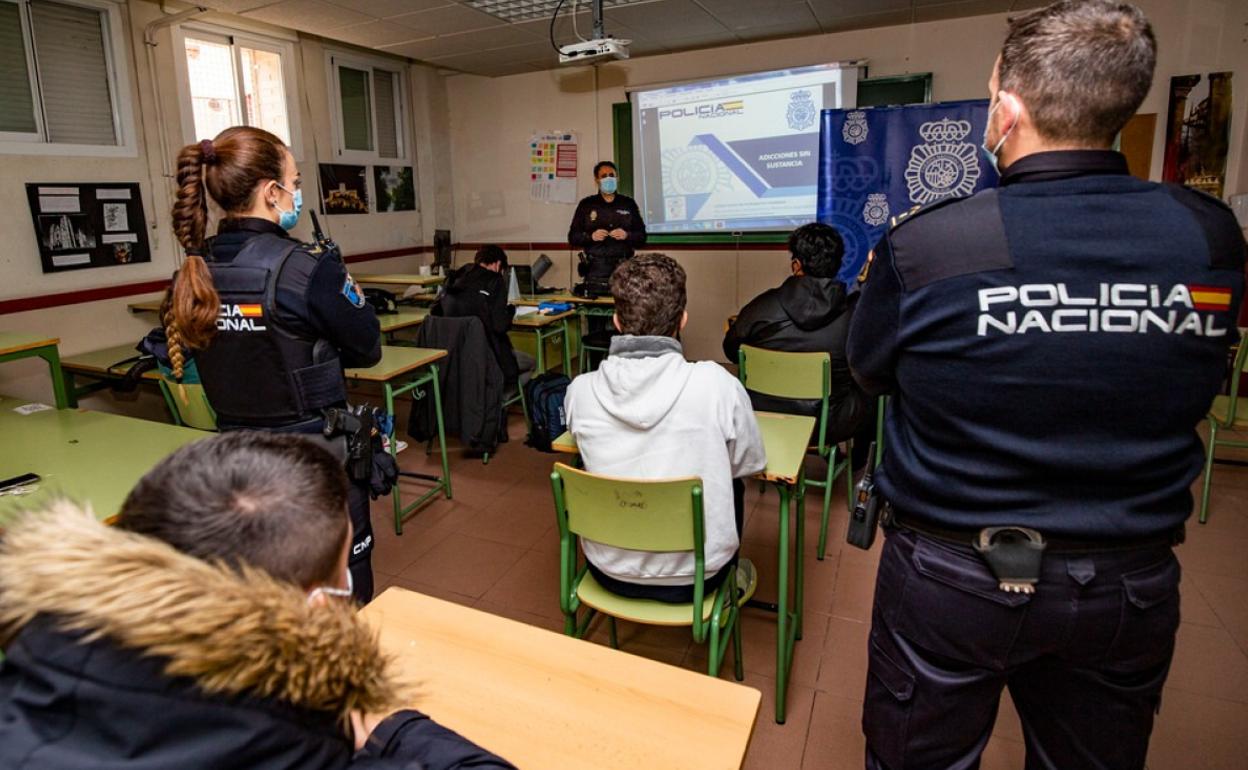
x=14 y=346
x=785 y=438
x=428 y=379
x=550 y=331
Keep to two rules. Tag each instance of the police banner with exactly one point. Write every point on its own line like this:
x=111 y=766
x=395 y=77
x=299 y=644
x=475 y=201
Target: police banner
x=878 y=163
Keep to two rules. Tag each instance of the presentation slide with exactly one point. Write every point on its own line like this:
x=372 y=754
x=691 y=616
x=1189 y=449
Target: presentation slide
x=734 y=154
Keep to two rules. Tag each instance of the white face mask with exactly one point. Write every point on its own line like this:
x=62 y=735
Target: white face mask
x=992 y=154
x=338 y=593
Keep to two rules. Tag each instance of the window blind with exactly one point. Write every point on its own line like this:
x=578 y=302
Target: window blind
x=387 y=114
x=18 y=114
x=73 y=73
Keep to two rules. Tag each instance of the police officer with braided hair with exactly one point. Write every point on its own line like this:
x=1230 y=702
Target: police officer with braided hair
x=271 y=321
x=1050 y=347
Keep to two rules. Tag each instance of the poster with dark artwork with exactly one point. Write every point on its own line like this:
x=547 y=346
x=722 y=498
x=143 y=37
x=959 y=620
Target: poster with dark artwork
x=1198 y=131
x=88 y=225
x=395 y=188
x=344 y=189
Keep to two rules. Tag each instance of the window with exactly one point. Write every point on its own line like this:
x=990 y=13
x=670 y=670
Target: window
x=229 y=79
x=60 y=83
x=370 y=108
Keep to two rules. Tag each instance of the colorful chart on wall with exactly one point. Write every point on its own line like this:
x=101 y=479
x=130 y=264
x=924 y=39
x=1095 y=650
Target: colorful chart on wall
x=552 y=167
x=344 y=189
x=83 y=225
x=395 y=188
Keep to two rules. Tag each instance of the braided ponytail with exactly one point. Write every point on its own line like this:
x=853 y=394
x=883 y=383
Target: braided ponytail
x=228 y=168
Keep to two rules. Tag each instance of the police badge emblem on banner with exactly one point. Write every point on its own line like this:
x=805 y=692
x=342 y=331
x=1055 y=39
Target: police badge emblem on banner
x=878 y=164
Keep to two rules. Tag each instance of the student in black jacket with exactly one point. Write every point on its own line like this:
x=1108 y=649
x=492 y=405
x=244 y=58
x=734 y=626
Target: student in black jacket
x=211 y=628
x=480 y=290
x=809 y=312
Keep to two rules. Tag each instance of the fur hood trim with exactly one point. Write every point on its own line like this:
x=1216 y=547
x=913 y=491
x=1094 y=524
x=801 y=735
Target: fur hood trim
x=233 y=634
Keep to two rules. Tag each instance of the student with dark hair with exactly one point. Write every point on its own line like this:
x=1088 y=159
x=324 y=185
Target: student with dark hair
x=271 y=321
x=480 y=290
x=212 y=627
x=647 y=413
x=809 y=312
x=1051 y=345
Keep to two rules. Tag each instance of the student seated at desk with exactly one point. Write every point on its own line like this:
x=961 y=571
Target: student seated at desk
x=480 y=290
x=212 y=627
x=809 y=312
x=647 y=413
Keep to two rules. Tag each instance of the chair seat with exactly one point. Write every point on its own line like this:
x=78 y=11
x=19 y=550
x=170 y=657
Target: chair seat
x=648 y=611
x=1221 y=408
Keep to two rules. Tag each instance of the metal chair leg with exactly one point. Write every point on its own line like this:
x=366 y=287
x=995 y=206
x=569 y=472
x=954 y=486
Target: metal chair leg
x=1209 y=452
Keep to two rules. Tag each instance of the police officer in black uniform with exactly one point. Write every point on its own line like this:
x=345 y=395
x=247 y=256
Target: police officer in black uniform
x=1050 y=346
x=607 y=226
x=272 y=321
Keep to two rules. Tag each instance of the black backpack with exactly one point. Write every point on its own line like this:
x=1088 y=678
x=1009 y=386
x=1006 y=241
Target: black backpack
x=544 y=394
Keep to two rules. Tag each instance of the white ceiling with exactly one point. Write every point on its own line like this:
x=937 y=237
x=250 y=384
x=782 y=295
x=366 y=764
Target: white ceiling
x=456 y=35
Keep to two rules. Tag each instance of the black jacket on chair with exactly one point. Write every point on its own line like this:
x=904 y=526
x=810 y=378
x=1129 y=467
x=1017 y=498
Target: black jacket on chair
x=475 y=291
x=805 y=315
x=471 y=382
x=121 y=652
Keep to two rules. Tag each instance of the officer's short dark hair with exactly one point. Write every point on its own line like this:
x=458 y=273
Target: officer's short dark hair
x=1083 y=67
x=274 y=502
x=604 y=164
x=819 y=248
x=489 y=254
x=649 y=292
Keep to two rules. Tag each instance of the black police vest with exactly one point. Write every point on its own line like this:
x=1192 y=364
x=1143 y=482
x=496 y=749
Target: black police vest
x=256 y=371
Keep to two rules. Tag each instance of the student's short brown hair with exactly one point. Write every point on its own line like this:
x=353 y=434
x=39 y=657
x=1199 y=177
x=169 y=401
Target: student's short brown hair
x=1083 y=67
x=649 y=292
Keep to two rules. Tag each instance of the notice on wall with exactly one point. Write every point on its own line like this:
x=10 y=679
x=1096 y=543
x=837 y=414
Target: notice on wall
x=552 y=167
x=88 y=225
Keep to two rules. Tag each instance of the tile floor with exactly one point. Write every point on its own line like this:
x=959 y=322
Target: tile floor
x=494 y=547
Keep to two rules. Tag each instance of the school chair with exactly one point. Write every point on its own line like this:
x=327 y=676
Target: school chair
x=1229 y=412
x=593 y=342
x=804 y=376
x=663 y=515
x=188 y=403
x=881 y=404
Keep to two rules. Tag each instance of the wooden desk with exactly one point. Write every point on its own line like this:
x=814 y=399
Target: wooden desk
x=91 y=457
x=398 y=279
x=101 y=366
x=400 y=363
x=785 y=439
x=15 y=345
x=544 y=700
x=406 y=318
x=540 y=324
x=148 y=306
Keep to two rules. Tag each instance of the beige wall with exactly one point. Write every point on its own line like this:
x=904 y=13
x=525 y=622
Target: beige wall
x=93 y=325
x=492 y=118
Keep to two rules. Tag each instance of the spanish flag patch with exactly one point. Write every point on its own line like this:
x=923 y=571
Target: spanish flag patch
x=1210 y=297
x=255 y=311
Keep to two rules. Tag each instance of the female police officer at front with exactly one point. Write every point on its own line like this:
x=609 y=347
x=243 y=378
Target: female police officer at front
x=272 y=322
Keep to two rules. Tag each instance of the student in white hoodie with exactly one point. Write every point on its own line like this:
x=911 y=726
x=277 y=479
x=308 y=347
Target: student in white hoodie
x=647 y=413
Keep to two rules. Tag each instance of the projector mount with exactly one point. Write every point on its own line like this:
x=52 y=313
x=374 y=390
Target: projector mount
x=601 y=47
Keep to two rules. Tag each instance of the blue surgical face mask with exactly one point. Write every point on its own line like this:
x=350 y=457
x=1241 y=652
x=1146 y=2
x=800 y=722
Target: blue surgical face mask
x=608 y=184
x=991 y=154
x=287 y=219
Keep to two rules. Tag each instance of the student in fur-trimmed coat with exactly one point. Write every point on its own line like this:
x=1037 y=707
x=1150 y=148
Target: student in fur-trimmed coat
x=211 y=628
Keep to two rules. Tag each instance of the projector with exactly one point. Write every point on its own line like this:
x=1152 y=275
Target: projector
x=600 y=49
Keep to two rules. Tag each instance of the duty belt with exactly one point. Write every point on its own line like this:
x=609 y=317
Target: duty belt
x=1055 y=545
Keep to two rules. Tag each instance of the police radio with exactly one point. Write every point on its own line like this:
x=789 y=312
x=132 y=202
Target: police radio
x=865 y=517
x=318 y=234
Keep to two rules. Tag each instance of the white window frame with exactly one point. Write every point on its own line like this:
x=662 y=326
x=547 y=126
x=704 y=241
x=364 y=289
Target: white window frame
x=115 y=50
x=334 y=58
x=235 y=38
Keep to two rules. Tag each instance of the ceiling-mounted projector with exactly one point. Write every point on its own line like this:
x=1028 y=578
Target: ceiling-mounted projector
x=601 y=48
x=593 y=50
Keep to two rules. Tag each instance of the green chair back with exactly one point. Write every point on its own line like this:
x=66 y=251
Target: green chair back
x=664 y=515
x=189 y=404
x=783 y=374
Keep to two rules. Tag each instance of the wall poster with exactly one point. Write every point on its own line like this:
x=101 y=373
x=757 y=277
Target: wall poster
x=1198 y=132
x=82 y=225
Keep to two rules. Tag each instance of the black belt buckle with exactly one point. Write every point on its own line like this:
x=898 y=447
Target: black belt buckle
x=1014 y=555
